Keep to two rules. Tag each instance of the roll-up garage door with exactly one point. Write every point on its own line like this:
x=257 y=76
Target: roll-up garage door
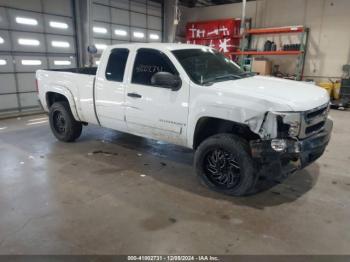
x=34 y=34
x=122 y=21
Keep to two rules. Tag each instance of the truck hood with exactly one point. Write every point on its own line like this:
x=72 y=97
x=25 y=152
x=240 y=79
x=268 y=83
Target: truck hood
x=298 y=96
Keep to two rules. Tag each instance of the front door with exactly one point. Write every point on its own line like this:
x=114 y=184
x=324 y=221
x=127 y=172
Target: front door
x=154 y=111
x=110 y=91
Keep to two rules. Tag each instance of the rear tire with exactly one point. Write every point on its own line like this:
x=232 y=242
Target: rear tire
x=63 y=125
x=224 y=164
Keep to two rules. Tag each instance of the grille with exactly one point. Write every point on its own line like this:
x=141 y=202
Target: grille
x=314 y=128
x=313 y=120
x=316 y=113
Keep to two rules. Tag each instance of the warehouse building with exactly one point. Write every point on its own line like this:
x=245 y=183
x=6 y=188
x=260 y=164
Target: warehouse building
x=180 y=127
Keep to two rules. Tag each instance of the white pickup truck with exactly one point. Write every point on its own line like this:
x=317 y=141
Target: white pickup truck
x=238 y=124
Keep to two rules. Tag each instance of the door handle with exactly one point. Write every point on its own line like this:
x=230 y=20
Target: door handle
x=135 y=95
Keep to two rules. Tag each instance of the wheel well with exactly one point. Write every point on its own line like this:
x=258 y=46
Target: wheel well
x=52 y=97
x=209 y=126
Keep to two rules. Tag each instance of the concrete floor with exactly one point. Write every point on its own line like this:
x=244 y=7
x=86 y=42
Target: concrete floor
x=112 y=193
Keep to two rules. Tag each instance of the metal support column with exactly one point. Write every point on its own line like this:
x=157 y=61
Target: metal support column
x=242 y=31
x=169 y=18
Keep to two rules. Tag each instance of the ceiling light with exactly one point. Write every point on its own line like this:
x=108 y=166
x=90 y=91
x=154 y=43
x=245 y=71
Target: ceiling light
x=1 y=40
x=154 y=36
x=120 y=32
x=101 y=46
x=97 y=62
x=26 y=21
x=24 y=41
x=99 y=30
x=3 y=62
x=60 y=44
x=31 y=62
x=139 y=34
x=62 y=62
x=58 y=25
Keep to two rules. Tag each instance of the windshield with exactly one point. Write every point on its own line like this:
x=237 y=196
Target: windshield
x=206 y=66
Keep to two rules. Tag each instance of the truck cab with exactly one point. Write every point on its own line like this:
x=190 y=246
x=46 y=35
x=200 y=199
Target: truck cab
x=129 y=98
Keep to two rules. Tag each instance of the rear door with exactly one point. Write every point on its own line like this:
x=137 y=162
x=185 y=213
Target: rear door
x=110 y=90
x=154 y=111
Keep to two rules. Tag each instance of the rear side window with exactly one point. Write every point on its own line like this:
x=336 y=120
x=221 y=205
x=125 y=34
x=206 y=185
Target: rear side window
x=116 y=64
x=147 y=63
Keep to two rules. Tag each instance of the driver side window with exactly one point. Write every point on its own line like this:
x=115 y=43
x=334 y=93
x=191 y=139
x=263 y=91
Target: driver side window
x=147 y=63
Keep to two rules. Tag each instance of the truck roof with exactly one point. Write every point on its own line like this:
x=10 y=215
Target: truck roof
x=160 y=46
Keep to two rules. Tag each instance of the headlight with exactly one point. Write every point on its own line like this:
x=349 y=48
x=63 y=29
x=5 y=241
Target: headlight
x=294 y=129
x=291 y=123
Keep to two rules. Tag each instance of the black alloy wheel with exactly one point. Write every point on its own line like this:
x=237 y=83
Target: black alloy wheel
x=59 y=122
x=222 y=168
x=224 y=163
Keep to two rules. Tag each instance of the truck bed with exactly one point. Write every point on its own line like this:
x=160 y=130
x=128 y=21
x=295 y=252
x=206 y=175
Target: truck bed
x=77 y=84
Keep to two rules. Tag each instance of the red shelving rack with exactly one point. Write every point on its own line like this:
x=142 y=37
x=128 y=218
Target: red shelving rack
x=301 y=30
x=276 y=30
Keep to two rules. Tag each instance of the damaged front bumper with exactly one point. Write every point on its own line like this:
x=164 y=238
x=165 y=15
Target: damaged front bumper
x=296 y=154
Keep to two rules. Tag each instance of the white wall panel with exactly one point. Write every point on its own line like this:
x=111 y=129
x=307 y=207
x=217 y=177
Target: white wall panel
x=142 y=16
x=28 y=37
x=152 y=36
x=101 y=42
x=138 y=30
x=100 y=34
x=120 y=29
x=5 y=44
x=139 y=1
x=7 y=83
x=26 y=82
x=154 y=23
x=58 y=7
x=138 y=20
x=56 y=44
x=3 y=18
x=32 y=5
x=120 y=16
x=29 y=63
x=101 y=13
x=152 y=10
x=62 y=62
x=56 y=25
x=138 y=6
x=28 y=99
x=123 y=4
x=19 y=14
x=17 y=66
x=9 y=66
x=8 y=102
x=154 y=4
x=104 y=2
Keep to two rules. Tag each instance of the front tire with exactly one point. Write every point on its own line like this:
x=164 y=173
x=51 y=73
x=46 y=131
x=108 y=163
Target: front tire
x=63 y=125
x=224 y=164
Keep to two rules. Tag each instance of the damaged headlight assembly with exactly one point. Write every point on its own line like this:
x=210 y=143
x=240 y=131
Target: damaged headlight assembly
x=288 y=126
x=280 y=129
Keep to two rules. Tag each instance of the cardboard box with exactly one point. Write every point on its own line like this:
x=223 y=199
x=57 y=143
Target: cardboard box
x=262 y=67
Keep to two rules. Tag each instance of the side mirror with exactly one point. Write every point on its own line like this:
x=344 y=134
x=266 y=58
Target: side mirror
x=166 y=80
x=92 y=49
